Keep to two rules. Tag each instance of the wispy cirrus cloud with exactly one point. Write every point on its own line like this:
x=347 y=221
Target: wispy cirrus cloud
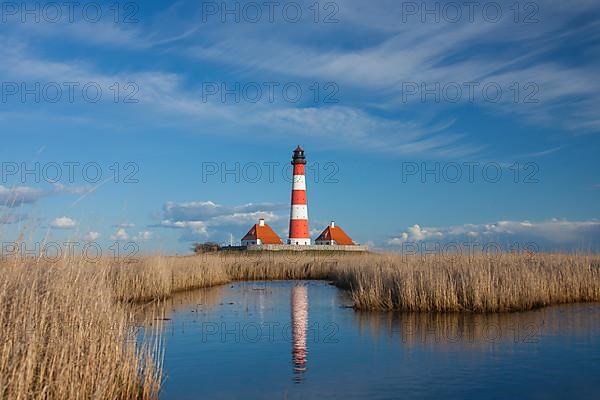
x=72 y=189
x=390 y=50
x=164 y=92
x=407 y=50
x=18 y=195
x=11 y=218
x=15 y=196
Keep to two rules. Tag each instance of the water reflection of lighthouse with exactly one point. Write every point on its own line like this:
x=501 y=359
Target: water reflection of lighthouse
x=299 y=330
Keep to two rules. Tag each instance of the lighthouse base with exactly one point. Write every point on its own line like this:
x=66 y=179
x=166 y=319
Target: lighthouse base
x=298 y=242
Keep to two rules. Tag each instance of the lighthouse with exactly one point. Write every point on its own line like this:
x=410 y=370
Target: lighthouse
x=299 y=211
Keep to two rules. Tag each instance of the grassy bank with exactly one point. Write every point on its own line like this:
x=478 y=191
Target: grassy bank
x=68 y=330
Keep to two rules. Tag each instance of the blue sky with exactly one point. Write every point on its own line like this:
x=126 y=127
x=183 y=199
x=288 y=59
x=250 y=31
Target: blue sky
x=376 y=93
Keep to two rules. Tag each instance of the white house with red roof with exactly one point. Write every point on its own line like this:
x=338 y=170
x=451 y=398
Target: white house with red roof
x=334 y=235
x=260 y=234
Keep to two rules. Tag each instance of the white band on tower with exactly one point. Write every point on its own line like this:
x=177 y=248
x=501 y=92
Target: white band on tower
x=299 y=182
x=299 y=211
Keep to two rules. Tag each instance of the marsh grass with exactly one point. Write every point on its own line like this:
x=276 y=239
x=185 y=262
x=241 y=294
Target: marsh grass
x=64 y=337
x=449 y=283
x=68 y=329
x=477 y=283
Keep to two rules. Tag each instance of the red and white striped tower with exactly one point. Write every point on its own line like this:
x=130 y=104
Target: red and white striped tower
x=299 y=213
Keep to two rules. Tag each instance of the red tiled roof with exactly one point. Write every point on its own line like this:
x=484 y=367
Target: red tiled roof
x=336 y=233
x=264 y=233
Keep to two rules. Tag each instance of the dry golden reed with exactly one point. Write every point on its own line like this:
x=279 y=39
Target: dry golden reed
x=68 y=329
x=442 y=283
x=64 y=336
x=476 y=283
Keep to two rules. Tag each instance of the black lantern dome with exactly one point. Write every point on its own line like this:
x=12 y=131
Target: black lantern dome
x=298 y=157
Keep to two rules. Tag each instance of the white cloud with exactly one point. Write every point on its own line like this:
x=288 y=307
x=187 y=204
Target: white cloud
x=552 y=234
x=205 y=210
x=72 y=189
x=241 y=218
x=63 y=223
x=198 y=227
x=416 y=234
x=194 y=210
x=91 y=236
x=200 y=220
x=143 y=236
x=120 y=234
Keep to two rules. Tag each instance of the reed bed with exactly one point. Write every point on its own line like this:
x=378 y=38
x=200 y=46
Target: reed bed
x=63 y=336
x=449 y=283
x=153 y=278
x=68 y=329
x=477 y=283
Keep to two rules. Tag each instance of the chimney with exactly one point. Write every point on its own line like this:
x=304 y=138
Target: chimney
x=261 y=222
x=333 y=224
